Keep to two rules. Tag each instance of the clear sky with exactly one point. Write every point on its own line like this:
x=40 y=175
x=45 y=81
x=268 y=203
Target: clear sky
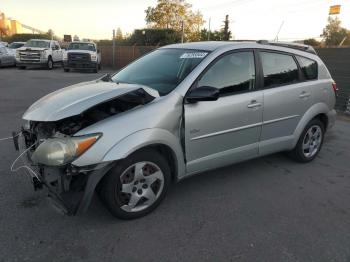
x=249 y=19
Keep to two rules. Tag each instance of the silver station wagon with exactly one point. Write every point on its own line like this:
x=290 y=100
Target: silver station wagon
x=177 y=111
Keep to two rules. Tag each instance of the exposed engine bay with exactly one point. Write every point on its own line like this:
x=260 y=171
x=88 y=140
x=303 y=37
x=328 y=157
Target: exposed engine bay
x=70 y=187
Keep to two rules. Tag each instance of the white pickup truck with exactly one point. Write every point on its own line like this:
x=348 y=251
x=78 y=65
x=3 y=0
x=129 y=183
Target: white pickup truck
x=39 y=52
x=82 y=55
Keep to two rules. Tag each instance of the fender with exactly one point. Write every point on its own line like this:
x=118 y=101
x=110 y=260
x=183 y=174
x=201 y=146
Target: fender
x=148 y=137
x=316 y=109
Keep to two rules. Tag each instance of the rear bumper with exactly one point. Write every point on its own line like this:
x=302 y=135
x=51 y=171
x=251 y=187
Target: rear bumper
x=332 y=115
x=80 y=65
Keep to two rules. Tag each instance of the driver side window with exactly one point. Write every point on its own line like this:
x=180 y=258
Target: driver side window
x=231 y=74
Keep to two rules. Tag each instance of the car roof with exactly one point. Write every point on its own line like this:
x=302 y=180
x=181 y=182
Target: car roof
x=277 y=46
x=46 y=40
x=205 y=45
x=82 y=42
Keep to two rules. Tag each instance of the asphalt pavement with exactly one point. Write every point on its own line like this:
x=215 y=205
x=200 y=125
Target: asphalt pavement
x=266 y=209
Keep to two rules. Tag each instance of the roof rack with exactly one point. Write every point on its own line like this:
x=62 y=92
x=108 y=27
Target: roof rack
x=301 y=47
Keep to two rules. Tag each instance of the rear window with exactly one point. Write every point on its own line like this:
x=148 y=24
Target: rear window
x=279 y=69
x=308 y=67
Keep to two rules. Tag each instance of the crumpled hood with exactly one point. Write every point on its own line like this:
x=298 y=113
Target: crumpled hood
x=75 y=99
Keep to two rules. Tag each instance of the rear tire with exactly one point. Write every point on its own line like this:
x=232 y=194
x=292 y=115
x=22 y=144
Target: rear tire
x=22 y=67
x=136 y=185
x=66 y=70
x=310 y=142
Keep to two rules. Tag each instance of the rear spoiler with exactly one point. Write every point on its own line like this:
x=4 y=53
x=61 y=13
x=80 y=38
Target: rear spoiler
x=301 y=47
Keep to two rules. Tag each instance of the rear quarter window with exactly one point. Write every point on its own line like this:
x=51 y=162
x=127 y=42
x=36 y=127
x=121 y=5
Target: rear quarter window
x=308 y=67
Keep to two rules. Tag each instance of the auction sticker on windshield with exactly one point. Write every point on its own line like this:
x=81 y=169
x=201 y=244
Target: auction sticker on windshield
x=193 y=55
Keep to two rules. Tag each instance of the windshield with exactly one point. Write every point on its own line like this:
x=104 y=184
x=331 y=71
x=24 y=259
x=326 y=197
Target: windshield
x=15 y=45
x=82 y=46
x=162 y=70
x=37 y=43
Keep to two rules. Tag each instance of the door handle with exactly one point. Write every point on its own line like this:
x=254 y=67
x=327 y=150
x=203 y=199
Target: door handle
x=254 y=104
x=304 y=94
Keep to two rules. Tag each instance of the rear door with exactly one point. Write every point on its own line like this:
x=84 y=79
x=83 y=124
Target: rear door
x=286 y=99
x=227 y=130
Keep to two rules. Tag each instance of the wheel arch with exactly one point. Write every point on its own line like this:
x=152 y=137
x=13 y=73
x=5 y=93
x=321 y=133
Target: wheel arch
x=319 y=111
x=164 y=142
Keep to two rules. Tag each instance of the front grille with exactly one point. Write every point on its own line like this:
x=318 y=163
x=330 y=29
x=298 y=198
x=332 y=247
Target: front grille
x=29 y=56
x=78 y=58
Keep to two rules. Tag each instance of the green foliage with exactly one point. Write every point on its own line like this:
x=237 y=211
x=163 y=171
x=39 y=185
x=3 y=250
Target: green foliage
x=312 y=42
x=175 y=14
x=25 y=37
x=119 y=34
x=214 y=35
x=333 y=33
x=154 y=37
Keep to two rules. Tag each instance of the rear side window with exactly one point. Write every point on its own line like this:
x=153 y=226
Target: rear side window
x=308 y=67
x=279 y=69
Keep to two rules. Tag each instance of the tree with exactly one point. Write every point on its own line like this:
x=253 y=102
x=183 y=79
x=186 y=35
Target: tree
x=213 y=36
x=225 y=30
x=333 y=33
x=154 y=37
x=51 y=34
x=119 y=34
x=312 y=42
x=173 y=14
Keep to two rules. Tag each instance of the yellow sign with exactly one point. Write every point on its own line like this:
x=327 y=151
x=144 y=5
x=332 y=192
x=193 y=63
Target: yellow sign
x=334 y=10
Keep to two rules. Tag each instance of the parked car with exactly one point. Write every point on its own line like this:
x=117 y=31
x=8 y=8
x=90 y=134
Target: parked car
x=180 y=110
x=39 y=52
x=14 y=46
x=5 y=44
x=6 y=58
x=82 y=55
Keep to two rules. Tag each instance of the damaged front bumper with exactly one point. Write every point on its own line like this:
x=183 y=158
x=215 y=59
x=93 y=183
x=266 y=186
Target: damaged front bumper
x=70 y=188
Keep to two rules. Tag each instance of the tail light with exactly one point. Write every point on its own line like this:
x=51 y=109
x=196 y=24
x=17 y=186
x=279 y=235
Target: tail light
x=335 y=88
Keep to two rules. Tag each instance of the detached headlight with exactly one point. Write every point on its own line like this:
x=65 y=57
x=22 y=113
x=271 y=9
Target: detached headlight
x=93 y=57
x=42 y=54
x=65 y=56
x=17 y=54
x=60 y=151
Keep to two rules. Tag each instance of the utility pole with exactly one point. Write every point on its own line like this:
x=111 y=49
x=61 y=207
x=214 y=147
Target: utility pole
x=209 y=29
x=183 y=31
x=113 y=49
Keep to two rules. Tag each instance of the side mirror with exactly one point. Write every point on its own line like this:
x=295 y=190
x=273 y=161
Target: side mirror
x=203 y=93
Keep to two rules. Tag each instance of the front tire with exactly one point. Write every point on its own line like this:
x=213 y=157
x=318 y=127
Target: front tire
x=66 y=70
x=136 y=185
x=310 y=142
x=95 y=70
x=49 y=63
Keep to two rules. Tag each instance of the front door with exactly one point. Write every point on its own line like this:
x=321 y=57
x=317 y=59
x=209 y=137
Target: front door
x=227 y=130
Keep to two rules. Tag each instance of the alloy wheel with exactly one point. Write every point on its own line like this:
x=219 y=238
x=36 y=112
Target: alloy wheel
x=312 y=141
x=141 y=185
